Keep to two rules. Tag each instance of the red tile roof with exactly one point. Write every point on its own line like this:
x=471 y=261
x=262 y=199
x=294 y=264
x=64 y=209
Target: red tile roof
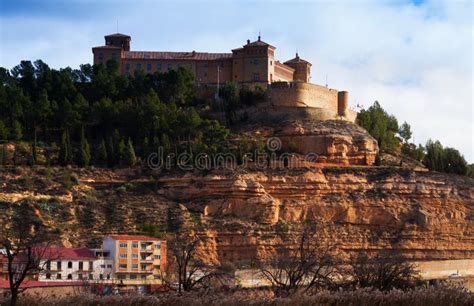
x=107 y=47
x=69 y=253
x=196 y=56
x=117 y=35
x=134 y=237
x=297 y=59
x=4 y=284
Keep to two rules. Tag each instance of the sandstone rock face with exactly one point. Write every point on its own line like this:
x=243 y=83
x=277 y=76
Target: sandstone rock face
x=420 y=215
x=332 y=141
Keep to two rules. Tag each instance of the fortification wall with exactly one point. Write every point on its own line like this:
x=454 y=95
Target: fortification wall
x=302 y=95
x=327 y=103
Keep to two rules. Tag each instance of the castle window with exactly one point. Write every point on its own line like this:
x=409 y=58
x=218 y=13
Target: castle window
x=101 y=55
x=271 y=63
x=158 y=67
x=170 y=67
x=148 y=67
x=58 y=276
x=114 y=55
x=139 y=66
x=127 y=66
x=256 y=76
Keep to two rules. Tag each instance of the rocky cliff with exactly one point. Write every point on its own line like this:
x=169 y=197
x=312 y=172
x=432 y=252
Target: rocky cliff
x=246 y=213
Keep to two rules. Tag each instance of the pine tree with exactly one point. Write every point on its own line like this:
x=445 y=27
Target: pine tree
x=83 y=154
x=16 y=131
x=120 y=153
x=3 y=131
x=129 y=157
x=145 y=148
x=65 y=153
x=110 y=152
x=101 y=156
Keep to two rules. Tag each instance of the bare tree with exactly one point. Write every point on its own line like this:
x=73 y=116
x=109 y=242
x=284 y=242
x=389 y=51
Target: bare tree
x=191 y=271
x=380 y=272
x=25 y=241
x=307 y=264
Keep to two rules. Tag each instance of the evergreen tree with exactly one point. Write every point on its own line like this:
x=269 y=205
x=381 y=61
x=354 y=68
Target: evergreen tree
x=405 y=131
x=121 y=151
x=65 y=152
x=145 y=148
x=83 y=154
x=101 y=156
x=3 y=155
x=110 y=152
x=129 y=157
x=16 y=132
x=3 y=131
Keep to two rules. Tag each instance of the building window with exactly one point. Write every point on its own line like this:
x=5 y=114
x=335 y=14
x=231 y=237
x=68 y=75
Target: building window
x=69 y=264
x=157 y=245
x=134 y=245
x=69 y=276
x=143 y=245
x=79 y=276
x=158 y=67
x=58 y=276
x=134 y=266
x=256 y=76
x=148 y=67
x=48 y=265
x=48 y=275
x=58 y=265
x=124 y=255
x=121 y=276
x=101 y=56
x=206 y=64
x=109 y=266
x=124 y=244
x=108 y=276
x=143 y=277
x=81 y=266
x=91 y=276
x=143 y=267
x=139 y=66
x=123 y=266
x=101 y=276
x=157 y=276
x=133 y=276
x=114 y=55
x=102 y=266
x=134 y=255
x=157 y=256
x=170 y=67
x=91 y=265
x=143 y=256
x=127 y=66
x=157 y=267
x=271 y=63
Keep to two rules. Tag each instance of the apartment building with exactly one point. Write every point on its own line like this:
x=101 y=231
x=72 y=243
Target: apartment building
x=75 y=264
x=137 y=259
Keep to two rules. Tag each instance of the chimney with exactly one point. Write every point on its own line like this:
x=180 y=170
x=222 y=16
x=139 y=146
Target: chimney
x=258 y=37
x=248 y=41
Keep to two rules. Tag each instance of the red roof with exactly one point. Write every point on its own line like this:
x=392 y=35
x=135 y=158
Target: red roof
x=134 y=237
x=69 y=253
x=196 y=56
x=4 y=284
x=297 y=59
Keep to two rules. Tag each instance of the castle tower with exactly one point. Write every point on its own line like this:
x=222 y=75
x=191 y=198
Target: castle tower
x=118 y=40
x=302 y=68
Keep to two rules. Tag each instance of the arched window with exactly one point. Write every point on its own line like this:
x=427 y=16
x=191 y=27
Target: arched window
x=69 y=264
x=69 y=276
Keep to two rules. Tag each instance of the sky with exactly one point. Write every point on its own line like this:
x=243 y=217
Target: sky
x=414 y=57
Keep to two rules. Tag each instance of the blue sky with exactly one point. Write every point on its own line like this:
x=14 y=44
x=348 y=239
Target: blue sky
x=414 y=57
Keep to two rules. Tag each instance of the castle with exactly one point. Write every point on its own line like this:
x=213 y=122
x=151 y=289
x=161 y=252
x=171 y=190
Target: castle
x=254 y=63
